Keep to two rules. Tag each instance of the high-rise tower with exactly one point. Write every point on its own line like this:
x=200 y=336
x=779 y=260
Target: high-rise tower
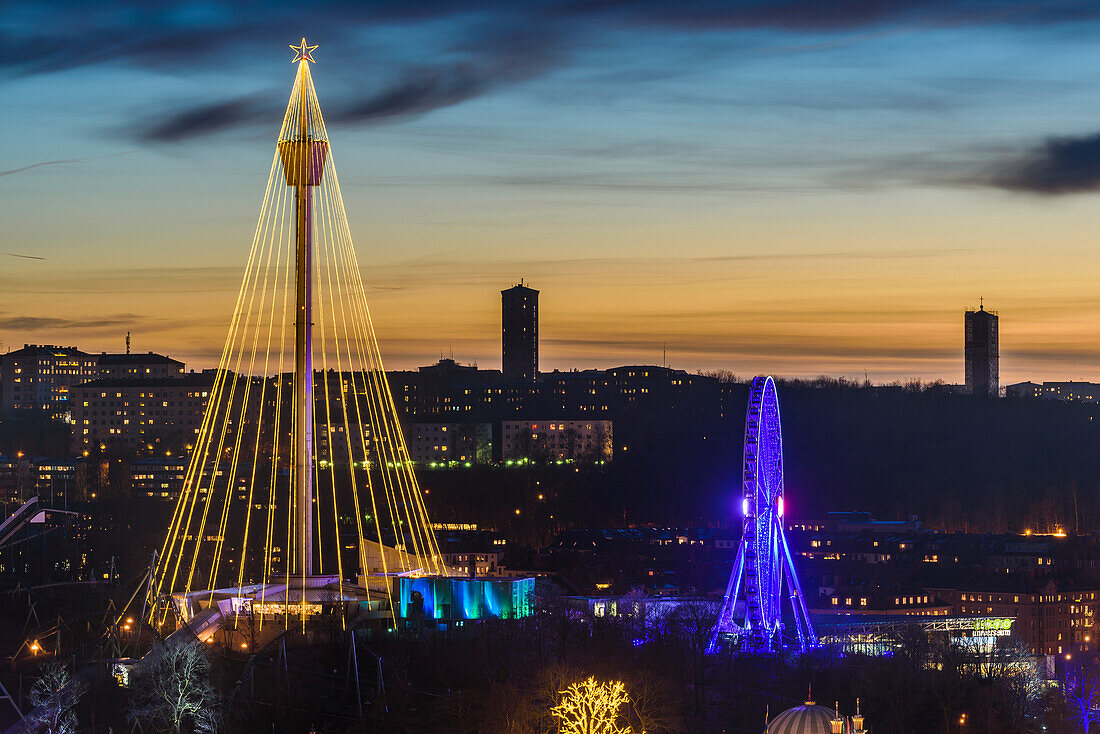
x=299 y=473
x=981 y=352
x=520 y=333
x=303 y=158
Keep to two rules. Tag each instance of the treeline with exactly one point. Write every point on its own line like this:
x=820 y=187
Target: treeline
x=958 y=462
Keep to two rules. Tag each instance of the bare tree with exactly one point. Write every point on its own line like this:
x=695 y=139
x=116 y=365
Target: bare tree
x=54 y=697
x=950 y=685
x=1080 y=679
x=174 y=690
x=654 y=703
x=691 y=624
x=1015 y=674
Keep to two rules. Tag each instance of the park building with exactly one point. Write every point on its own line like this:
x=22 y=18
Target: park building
x=16 y=484
x=848 y=597
x=39 y=378
x=809 y=718
x=557 y=440
x=132 y=414
x=1055 y=614
x=57 y=480
x=1073 y=392
x=468 y=551
x=446 y=444
x=158 y=477
x=138 y=366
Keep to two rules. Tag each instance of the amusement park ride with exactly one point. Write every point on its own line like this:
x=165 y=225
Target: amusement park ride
x=752 y=614
x=298 y=478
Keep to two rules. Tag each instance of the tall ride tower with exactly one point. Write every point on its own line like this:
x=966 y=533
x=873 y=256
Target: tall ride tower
x=299 y=475
x=303 y=158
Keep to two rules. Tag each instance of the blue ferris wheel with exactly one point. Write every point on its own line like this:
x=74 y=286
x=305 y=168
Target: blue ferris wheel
x=752 y=614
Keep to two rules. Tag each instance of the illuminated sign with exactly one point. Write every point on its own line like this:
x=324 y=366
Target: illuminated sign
x=282 y=608
x=990 y=627
x=981 y=625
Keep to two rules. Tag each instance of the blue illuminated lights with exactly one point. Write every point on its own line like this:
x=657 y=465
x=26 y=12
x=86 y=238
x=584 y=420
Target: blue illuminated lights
x=448 y=599
x=752 y=611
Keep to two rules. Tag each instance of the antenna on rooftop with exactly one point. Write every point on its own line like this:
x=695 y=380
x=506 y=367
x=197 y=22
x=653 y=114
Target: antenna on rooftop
x=127 y=342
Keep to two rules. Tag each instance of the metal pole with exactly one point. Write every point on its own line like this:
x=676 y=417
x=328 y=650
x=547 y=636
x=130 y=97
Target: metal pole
x=303 y=354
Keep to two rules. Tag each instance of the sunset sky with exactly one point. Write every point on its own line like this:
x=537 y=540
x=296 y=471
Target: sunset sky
x=786 y=187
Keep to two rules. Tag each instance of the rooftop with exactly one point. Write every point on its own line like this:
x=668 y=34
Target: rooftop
x=146 y=358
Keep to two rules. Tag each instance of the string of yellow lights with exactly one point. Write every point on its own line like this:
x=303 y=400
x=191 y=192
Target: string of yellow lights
x=238 y=520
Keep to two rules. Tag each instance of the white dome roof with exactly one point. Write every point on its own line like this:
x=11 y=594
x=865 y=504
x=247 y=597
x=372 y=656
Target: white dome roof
x=804 y=719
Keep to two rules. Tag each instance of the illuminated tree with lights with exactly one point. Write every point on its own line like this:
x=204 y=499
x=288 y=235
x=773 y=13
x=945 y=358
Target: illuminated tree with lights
x=54 y=698
x=175 y=690
x=591 y=707
x=1080 y=679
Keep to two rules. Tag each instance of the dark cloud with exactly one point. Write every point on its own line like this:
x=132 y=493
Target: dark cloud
x=35 y=323
x=826 y=16
x=523 y=41
x=206 y=119
x=53 y=35
x=492 y=56
x=420 y=91
x=1065 y=165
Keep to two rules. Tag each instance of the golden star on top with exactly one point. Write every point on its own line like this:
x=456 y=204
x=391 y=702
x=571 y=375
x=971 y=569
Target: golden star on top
x=302 y=53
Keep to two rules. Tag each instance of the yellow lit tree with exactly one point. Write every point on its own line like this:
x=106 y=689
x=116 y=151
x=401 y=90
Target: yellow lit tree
x=591 y=707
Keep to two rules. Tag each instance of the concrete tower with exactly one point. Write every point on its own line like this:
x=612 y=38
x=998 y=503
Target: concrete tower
x=981 y=352
x=520 y=333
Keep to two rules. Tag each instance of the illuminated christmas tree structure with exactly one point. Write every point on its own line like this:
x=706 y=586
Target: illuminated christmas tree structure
x=299 y=477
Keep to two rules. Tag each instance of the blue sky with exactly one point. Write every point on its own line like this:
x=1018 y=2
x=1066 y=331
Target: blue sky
x=758 y=186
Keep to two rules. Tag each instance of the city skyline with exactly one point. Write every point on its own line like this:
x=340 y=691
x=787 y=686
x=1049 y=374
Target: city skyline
x=755 y=193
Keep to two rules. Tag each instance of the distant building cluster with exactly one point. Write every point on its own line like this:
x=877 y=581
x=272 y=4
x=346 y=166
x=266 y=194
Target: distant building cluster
x=1049 y=584
x=39 y=379
x=128 y=413
x=1045 y=589
x=148 y=409
x=1078 y=392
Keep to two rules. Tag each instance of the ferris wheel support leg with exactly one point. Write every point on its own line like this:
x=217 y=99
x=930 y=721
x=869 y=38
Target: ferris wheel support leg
x=729 y=601
x=798 y=604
